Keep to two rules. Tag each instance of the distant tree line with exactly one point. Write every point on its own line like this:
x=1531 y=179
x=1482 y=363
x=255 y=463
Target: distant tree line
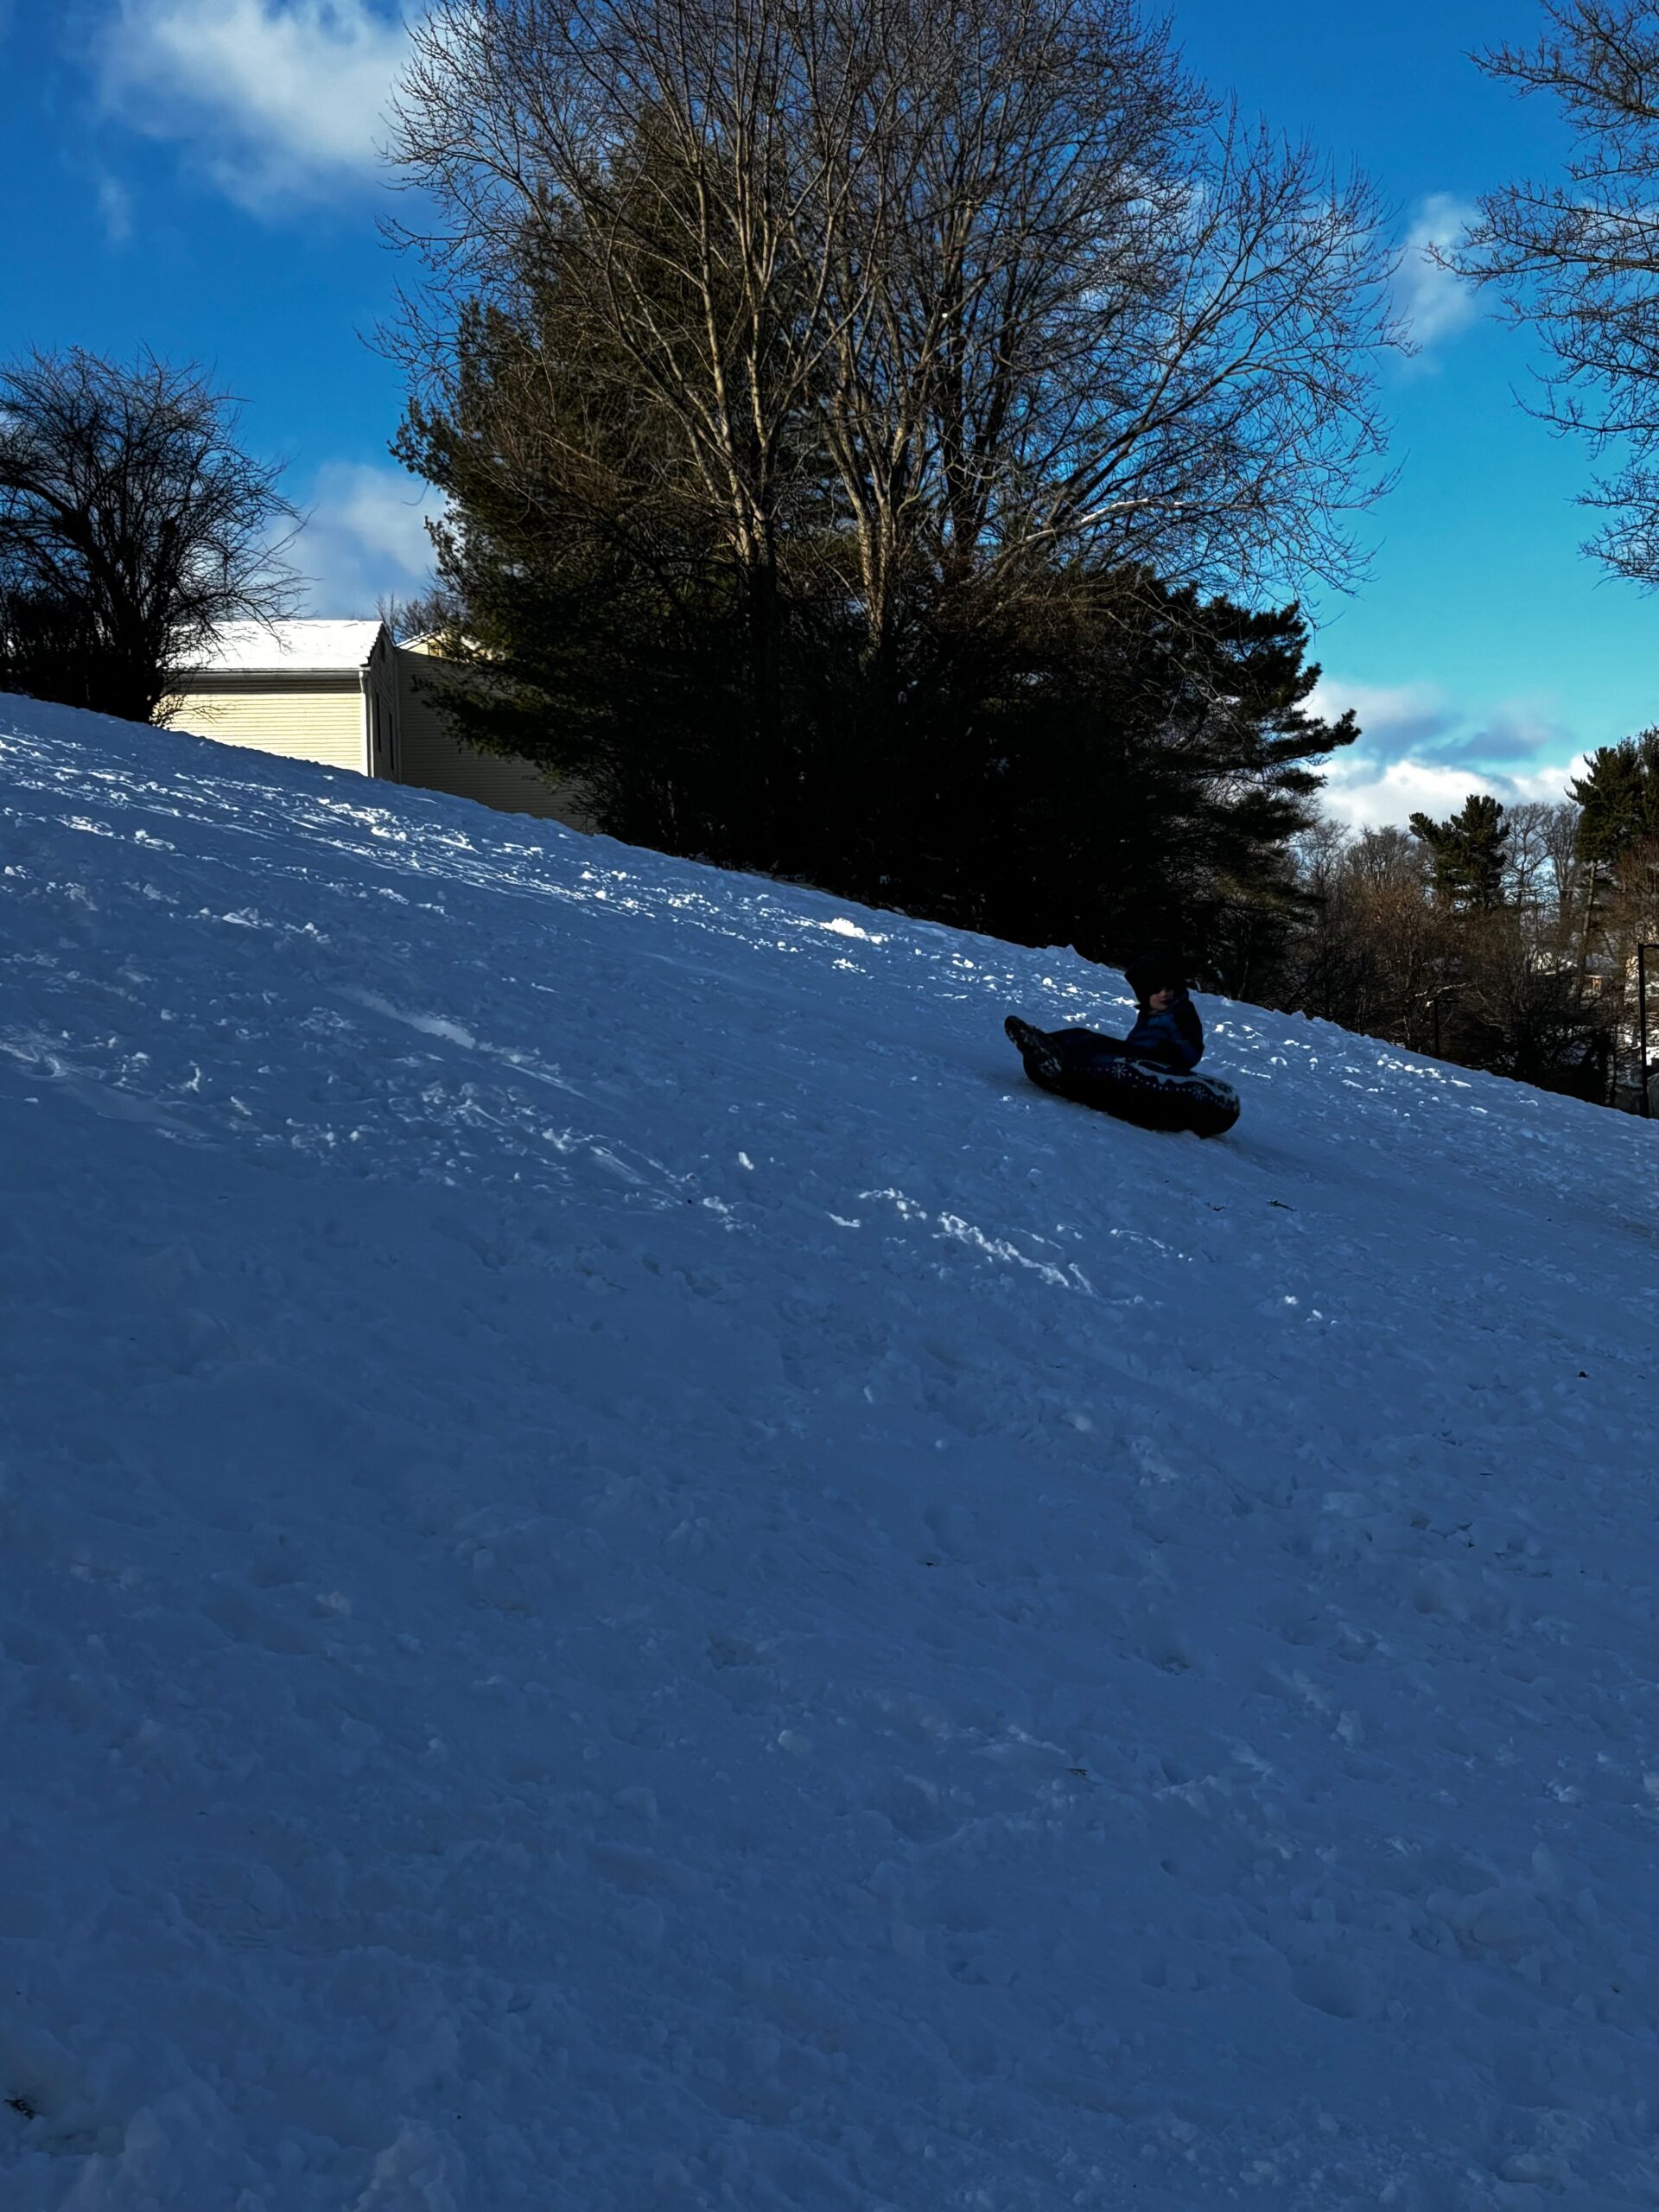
x=1503 y=937
x=883 y=441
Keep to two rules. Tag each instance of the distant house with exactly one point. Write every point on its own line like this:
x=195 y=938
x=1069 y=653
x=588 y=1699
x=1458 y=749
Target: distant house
x=345 y=694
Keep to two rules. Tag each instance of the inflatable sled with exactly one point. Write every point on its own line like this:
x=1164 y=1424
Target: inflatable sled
x=1151 y=1096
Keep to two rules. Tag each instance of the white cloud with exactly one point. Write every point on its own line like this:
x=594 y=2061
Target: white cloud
x=1365 y=793
x=279 y=100
x=365 y=538
x=1419 y=751
x=1430 y=301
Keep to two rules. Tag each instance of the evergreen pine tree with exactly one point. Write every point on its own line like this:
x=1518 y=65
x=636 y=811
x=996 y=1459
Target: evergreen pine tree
x=1618 y=801
x=1467 y=852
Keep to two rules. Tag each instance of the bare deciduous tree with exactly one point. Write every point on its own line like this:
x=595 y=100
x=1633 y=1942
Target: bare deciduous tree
x=1541 y=874
x=131 y=527
x=993 y=278
x=1579 y=259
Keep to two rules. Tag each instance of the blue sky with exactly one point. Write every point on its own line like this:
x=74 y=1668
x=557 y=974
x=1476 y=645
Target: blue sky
x=200 y=176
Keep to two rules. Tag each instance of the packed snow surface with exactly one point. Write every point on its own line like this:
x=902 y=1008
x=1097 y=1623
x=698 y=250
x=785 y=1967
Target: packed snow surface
x=634 y=1577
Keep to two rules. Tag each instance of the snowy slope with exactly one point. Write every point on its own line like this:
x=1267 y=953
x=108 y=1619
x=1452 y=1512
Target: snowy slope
x=634 y=1577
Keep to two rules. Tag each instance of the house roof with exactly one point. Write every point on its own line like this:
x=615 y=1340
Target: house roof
x=290 y=648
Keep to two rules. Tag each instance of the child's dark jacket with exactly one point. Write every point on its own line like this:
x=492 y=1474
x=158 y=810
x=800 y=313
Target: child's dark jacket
x=1174 y=1038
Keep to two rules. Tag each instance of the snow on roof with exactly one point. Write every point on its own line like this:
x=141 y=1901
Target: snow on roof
x=248 y=648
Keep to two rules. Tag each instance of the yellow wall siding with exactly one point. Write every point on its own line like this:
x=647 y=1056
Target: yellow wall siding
x=384 y=721
x=316 y=718
x=433 y=761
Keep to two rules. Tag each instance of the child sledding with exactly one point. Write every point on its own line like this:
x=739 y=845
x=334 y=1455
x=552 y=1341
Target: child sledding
x=1145 y=1077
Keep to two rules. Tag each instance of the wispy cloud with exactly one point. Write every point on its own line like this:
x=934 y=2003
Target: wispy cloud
x=365 y=538
x=279 y=100
x=1395 y=718
x=114 y=205
x=1418 y=750
x=1433 y=303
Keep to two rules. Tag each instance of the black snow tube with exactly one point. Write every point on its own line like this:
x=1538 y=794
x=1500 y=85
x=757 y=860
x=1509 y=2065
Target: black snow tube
x=1141 y=1091
x=1153 y=1097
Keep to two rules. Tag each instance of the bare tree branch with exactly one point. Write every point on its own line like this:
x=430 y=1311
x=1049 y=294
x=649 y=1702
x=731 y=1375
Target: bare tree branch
x=132 y=526
x=997 y=266
x=1579 y=260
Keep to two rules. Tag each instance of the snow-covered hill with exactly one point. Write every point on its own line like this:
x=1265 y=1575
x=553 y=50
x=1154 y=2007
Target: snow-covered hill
x=633 y=1577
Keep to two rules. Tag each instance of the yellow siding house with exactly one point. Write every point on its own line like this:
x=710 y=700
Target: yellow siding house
x=433 y=761
x=344 y=695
